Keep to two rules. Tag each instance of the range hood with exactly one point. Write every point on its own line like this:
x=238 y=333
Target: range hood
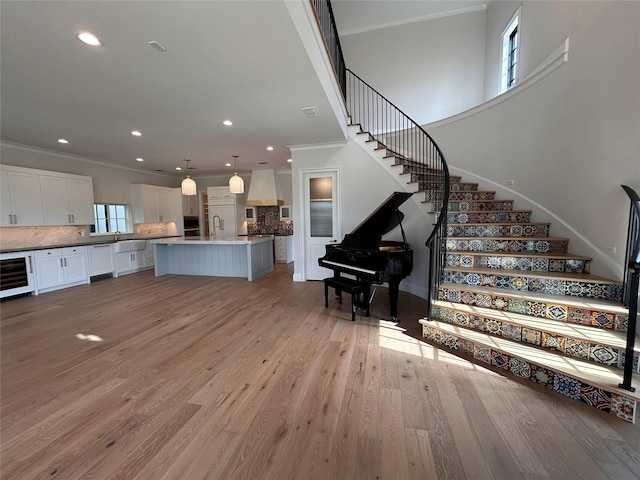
x=264 y=189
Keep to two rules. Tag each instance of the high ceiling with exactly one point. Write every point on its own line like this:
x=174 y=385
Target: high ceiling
x=236 y=60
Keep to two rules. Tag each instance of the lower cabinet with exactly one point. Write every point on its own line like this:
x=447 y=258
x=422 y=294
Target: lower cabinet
x=129 y=262
x=283 y=246
x=58 y=268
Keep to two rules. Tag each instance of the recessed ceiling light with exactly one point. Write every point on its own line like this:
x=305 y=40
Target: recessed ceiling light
x=139 y=159
x=228 y=123
x=227 y=164
x=62 y=140
x=178 y=168
x=270 y=148
x=136 y=133
x=289 y=160
x=89 y=39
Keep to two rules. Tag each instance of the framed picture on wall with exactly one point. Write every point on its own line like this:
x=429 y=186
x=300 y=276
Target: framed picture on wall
x=250 y=214
x=285 y=212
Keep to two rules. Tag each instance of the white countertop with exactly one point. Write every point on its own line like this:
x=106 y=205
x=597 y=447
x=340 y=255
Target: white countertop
x=214 y=241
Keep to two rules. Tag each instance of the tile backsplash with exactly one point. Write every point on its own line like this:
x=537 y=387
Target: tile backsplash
x=268 y=223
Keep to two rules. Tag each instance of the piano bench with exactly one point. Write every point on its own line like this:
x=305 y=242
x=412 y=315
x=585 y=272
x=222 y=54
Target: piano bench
x=353 y=288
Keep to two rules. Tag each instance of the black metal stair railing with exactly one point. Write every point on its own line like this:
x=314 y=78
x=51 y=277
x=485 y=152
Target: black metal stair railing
x=418 y=154
x=327 y=24
x=631 y=283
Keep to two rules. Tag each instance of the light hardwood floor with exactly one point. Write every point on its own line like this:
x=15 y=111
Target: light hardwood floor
x=216 y=378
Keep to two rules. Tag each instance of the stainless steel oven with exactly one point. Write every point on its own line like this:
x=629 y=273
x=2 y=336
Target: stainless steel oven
x=16 y=274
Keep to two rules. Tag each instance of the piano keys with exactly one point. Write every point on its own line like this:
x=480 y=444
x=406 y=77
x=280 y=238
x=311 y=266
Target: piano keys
x=371 y=260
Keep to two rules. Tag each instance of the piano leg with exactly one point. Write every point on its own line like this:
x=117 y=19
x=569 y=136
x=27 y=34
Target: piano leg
x=394 y=288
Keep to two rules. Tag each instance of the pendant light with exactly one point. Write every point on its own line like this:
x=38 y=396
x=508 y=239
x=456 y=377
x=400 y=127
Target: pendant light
x=188 y=184
x=236 y=184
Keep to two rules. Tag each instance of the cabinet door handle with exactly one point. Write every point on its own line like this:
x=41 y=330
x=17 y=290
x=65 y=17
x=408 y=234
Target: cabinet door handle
x=61 y=263
x=73 y=218
x=10 y=219
x=65 y=262
x=30 y=265
x=15 y=218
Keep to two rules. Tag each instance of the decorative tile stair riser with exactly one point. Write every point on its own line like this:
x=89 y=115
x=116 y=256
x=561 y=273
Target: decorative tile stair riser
x=513 y=216
x=508 y=245
x=484 y=206
x=523 y=262
x=498 y=230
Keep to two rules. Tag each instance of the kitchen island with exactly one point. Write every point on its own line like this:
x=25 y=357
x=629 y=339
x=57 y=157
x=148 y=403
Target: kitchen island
x=246 y=257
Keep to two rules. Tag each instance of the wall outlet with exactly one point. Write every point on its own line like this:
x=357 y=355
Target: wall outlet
x=610 y=249
x=511 y=181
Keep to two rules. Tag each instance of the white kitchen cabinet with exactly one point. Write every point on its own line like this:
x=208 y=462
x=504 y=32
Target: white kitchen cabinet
x=149 y=256
x=129 y=262
x=153 y=204
x=101 y=259
x=21 y=197
x=189 y=205
x=61 y=268
x=67 y=200
x=283 y=245
x=220 y=195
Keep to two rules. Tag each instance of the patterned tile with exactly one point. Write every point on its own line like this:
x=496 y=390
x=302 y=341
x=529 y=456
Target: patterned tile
x=541 y=375
x=510 y=331
x=499 y=359
x=554 y=342
x=450 y=341
x=520 y=368
x=602 y=319
x=576 y=348
x=556 y=312
x=529 y=335
x=595 y=397
x=465 y=346
x=623 y=407
x=605 y=355
x=482 y=353
x=567 y=386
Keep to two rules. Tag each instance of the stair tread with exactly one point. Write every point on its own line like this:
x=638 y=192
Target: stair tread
x=496 y=223
x=595 y=374
x=493 y=211
x=534 y=273
x=580 y=302
x=600 y=336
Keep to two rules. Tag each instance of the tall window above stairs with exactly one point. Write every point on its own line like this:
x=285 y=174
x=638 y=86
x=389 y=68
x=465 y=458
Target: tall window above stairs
x=510 y=47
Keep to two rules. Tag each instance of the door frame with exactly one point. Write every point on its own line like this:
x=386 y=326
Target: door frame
x=303 y=175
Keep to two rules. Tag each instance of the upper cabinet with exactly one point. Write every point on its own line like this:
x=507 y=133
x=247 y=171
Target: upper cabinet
x=152 y=204
x=67 y=200
x=38 y=197
x=189 y=205
x=21 y=198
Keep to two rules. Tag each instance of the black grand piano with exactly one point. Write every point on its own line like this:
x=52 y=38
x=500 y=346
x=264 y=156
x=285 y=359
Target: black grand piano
x=364 y=255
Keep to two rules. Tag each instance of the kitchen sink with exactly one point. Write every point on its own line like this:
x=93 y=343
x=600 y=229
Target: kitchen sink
x=129 y=245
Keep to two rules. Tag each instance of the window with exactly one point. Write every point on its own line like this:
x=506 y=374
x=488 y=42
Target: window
x=510 y=47
x=111 y=218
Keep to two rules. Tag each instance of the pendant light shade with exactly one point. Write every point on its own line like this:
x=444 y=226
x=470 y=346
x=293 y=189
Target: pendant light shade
x=236 y=184
x=188 y=184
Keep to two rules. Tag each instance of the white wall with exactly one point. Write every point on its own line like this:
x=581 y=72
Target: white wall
x=365 y=185
x=430 y=70
x=570 y=139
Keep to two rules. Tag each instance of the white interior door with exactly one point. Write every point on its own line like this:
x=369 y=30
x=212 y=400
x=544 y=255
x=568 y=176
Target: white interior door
x=321 y=222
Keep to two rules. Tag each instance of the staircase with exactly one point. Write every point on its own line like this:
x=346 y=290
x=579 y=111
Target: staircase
x=514 y=299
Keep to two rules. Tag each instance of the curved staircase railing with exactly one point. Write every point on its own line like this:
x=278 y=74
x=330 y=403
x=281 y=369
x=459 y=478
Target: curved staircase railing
x=631 y=283
x=418 y=154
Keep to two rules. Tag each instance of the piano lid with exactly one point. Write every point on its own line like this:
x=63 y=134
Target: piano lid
x=386 y=217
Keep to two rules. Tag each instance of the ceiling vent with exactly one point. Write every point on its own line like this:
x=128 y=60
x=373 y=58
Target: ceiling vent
x=311 y=112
